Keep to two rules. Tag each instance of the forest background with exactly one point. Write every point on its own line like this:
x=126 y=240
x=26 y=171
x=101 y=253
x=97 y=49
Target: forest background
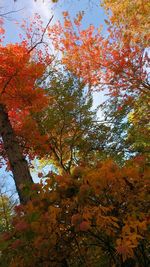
x=89 y=202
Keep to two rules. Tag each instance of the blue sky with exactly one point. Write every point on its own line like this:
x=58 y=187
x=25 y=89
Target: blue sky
x=94 y=14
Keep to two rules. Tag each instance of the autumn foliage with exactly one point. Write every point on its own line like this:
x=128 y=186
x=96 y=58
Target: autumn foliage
x=113 y=62
x=92 y=207
x=105 y=207
x=134 y=17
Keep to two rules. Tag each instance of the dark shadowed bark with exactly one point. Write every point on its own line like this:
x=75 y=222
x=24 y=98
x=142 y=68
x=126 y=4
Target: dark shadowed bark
x=18 y=163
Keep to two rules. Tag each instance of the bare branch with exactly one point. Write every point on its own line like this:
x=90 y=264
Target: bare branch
x=42 y=37
x=10 y=12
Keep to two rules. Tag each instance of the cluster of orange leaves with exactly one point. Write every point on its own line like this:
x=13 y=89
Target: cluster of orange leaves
x=133 y=15
x=20 y=69
x=112 y=61
x=68 y=211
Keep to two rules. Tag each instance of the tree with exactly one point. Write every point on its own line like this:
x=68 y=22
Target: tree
x=78 y=135
x=111 y=62
x=19 y=70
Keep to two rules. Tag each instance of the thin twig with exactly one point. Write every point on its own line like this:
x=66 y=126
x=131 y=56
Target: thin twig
x=41 y=40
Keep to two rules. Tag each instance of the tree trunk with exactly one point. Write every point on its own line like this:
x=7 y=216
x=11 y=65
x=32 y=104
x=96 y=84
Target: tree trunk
x=18 y=163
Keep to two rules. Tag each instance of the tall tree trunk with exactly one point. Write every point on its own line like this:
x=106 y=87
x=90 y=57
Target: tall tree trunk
x=18 y=163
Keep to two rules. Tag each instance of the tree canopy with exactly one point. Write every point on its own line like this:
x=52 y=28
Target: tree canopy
x=90 y=205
